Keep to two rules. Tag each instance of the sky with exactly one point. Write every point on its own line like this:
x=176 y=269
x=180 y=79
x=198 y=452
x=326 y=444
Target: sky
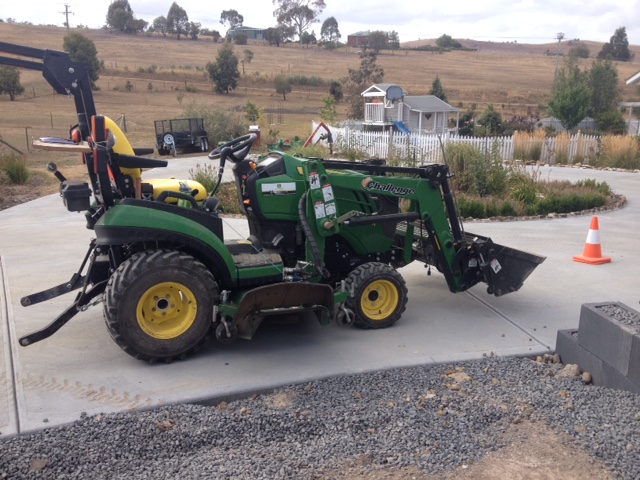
x=522 y=21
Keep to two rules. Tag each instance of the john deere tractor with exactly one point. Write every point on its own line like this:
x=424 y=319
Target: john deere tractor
x=325 y=236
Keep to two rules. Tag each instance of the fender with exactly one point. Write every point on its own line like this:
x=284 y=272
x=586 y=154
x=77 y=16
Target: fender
x=136 y=221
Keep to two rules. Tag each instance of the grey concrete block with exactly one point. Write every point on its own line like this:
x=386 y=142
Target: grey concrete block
x=609 y=339
x=614 y=379
x=634 y=362
x=570 y=351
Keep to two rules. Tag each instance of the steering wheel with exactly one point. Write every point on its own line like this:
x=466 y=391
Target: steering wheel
x=236 y=150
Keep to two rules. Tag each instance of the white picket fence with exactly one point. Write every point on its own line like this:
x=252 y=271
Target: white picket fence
x=419 y=149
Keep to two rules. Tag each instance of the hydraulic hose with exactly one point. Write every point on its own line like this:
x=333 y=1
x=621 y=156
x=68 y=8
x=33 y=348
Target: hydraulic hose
x=315 y=251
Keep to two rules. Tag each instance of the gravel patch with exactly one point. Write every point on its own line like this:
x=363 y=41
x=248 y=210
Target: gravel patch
x=621 y=314
x=430 y=420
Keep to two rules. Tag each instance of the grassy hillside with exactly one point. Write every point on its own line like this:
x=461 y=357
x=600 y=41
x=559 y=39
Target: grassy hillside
x=514 y=77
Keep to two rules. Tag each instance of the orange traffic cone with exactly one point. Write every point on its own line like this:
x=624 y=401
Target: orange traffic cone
x=592 y=252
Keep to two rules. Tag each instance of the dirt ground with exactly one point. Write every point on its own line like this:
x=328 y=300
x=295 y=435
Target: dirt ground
x=533 y=451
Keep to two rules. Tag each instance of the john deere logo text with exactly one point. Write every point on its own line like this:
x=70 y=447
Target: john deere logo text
x=371 y=185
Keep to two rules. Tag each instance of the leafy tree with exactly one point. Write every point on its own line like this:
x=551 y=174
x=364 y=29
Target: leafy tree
x=394 y=40
x=612 y=122
x=136 y=25
x=308 y=38
x=603 y=82
x=118 y=14
x=193 y=30
x=571 y=96
x=298 y=14
x=491 y=121
x=330 y=33
x=224 y=72
x=277 y=35
x=240 y=38
x=10 y=82
x=580 y=50
x=445 y=41
x=248 y=56
x=437 y=89
x=377 y=40
x=283 y=85
x=335 y=90
x=231 y=18
x=82 y=50
x=618 y=47
x=160 y=25
x=358 y=80
x=251 y=112
x=467 y=121
x=177 y=20
x=329 y=114
x=214 y=34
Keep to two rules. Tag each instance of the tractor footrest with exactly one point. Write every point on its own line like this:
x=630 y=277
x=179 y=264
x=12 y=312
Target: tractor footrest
x=259 y=259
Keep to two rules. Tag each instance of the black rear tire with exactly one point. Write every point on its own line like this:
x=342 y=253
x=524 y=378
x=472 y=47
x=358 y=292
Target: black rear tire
x=159 y=305
x=379 y=295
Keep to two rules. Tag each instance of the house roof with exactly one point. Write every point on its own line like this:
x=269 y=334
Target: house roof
x=244 y=29
x=427 y=103
x=634 y=79
x=379 y=90
x=360 y=34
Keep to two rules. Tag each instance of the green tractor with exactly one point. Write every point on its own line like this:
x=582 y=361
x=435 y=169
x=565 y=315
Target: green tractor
x=325 y=237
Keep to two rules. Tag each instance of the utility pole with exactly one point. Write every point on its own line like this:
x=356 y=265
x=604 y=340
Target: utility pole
x=559 y=36
x=66 y=14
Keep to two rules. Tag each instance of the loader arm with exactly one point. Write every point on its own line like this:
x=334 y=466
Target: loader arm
x=431 y=231
x=64 y=75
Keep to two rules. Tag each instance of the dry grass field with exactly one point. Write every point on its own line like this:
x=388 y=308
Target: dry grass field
x=514 y=77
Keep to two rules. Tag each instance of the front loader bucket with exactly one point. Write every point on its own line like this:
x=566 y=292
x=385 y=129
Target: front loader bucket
x=505 y=269
x=508 y=268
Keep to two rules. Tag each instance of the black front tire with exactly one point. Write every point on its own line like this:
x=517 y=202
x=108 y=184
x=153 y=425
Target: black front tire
x=379 y=295
x=159 y=305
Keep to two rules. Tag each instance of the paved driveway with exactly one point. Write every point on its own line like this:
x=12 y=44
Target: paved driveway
x=80 y=369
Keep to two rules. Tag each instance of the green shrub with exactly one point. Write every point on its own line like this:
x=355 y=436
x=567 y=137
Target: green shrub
x=474 y=172
x=491 y=208
x=573 y=202
x=228 y=196
x=312 y=151
x=590 y=183
x=471 y=208
x=220 y=124
x=304 y=81
x=507 y=210
x=205 y=174
x=15 y=168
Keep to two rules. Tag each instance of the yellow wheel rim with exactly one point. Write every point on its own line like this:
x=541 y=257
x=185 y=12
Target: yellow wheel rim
x=167 y=310
x=379 y=300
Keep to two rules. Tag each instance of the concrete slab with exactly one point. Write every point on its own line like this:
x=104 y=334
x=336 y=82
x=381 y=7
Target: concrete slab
x=80 y=369
x=8 y=407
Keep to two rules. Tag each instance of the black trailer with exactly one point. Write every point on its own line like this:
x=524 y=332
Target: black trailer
x=181 y=133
